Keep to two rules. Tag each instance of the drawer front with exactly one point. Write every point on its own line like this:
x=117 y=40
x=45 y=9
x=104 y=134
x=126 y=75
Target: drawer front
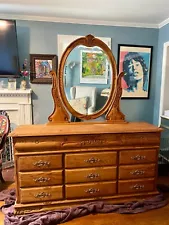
x=138 y=156
x=90 y=159
x=90 y=175
x=40 y=162
x=135 y=186
x=137 y=171
x=43 y=194
x=36 y=179
x=90 y=190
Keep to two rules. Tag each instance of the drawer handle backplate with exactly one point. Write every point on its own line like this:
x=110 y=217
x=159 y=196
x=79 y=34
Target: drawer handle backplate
x=93 y=176
x=138 y=157
x=41 y=179
x=137 y=172
x=42 y=195
x=92 y=160
x=92 y=190
x=41 y=163
x=137 y=187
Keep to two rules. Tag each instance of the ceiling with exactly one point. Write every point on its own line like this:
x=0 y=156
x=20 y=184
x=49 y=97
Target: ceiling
x=143 y=13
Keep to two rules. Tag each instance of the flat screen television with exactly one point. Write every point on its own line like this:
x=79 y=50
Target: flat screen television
x=9 y=60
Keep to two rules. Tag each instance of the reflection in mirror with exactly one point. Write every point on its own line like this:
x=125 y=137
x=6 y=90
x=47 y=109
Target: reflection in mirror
x=87 y=79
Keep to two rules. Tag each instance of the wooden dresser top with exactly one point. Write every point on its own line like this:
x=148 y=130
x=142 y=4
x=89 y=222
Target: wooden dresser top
x=83 y=128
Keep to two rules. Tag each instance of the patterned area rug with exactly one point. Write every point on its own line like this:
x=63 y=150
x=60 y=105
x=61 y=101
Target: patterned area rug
x=64 y=215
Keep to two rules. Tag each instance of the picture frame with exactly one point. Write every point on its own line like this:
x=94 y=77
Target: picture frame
x=96 y=57
x=11 y=84
x=136 y=62
x=40 y=67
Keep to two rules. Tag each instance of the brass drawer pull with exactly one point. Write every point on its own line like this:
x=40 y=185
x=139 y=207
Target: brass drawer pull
x=137 y=172
x=41 y=163
x=92 y=160
x=138 y=157
x=93 y=176
x=41 y=179
x=42 y=195
x=92 y=190
x=137 y=187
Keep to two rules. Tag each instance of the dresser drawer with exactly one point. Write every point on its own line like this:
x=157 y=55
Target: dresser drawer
x=134 y=186
x=90 y=175
x=90 y=159
x=138 y=156
x=90 y=190
x=36 y=179
x=137 y=171
x=40 y=194
x=40 y=162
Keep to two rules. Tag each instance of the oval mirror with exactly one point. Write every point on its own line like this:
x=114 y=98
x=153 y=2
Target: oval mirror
x=86 y=77
x=87 y=80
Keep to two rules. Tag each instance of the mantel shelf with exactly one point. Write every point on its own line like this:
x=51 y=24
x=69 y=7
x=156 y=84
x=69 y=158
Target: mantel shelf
x=17 y=91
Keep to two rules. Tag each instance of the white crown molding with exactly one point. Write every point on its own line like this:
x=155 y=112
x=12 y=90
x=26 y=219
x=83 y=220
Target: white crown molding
x=76 y=21
x=163 y=23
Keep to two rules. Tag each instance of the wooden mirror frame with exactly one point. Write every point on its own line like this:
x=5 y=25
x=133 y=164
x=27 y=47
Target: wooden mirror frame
x=61 y=104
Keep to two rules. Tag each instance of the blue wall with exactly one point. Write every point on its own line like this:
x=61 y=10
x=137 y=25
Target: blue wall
x=41 y=37
x=163 y=37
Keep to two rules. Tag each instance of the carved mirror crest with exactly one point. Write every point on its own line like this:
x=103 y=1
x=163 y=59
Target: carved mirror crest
x=87 y=85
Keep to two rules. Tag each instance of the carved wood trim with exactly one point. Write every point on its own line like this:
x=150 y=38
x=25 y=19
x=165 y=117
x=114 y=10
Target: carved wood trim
x=88 y=41
x=21 y=209
x=84 y=142
x=59 y=113
x=114 y=114
x=61 y=104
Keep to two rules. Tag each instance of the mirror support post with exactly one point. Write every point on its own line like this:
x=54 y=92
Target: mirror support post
x=59 y=114
x=114 y=115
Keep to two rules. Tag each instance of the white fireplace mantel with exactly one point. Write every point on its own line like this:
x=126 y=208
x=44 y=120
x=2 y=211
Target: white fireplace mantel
x=18 y=105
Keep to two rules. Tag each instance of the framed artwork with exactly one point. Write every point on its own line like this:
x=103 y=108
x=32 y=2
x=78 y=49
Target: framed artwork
x=40 y=67
x=11 y=84
x=135 y=61
x=93 y=67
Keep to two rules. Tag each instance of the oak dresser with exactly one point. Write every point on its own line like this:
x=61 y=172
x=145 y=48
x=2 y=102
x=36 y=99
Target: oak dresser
x=68 y=164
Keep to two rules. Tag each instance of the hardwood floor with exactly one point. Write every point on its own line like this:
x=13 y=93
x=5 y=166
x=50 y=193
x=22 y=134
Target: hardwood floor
x=154 y=217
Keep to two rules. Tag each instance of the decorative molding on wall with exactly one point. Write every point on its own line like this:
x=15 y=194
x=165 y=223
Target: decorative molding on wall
x=163 y=23
x=12 y=95
x=77 y=21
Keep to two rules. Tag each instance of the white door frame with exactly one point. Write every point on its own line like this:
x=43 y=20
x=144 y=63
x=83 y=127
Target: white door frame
x=165 y=47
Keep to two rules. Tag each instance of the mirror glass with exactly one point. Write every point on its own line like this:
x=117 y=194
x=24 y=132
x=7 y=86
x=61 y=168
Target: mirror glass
x=87 y=79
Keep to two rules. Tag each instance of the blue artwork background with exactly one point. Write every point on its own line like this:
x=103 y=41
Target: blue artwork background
x=129 y=83
x=147 y=59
